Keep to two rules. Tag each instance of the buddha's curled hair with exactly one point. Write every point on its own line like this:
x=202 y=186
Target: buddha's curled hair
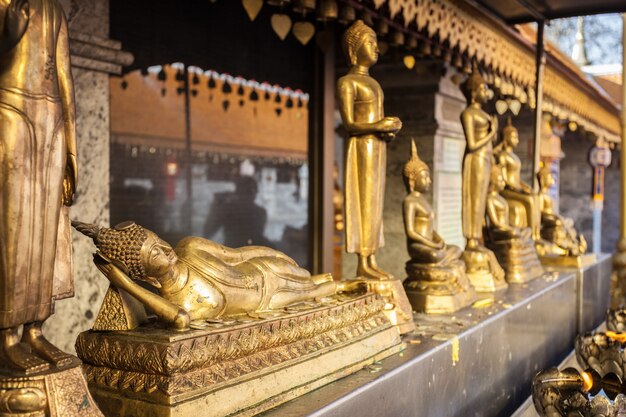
x=122 y=244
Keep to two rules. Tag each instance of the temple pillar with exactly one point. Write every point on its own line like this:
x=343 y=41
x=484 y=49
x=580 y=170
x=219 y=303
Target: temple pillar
x=94 y=58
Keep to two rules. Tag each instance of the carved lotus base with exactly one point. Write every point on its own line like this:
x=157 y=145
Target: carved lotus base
x=438 y=289
x=56 y=393
x=519 y=259
x=483 y=270
x=240 y=367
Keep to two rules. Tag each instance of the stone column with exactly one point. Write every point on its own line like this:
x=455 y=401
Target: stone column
x=94 y=58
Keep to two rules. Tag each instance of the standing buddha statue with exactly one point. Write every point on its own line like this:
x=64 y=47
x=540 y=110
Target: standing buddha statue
x=480 y=130
x=360 y=100
x=38 y=174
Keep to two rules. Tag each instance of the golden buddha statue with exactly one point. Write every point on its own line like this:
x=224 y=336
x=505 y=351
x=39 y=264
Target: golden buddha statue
x=513 y=245
x=558 y=231
x=360 y=100
x=523 y=201
x=361 y=105
x=436 y=281
x=480 y=130
x=200 y=279
x=39 y=172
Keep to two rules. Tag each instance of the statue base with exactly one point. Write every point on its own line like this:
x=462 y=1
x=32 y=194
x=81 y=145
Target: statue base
x=483 y=270
x=438 y=289
x=567 y=261
x=519 y=259
x=55 y=393
x=237 y=367
x=398 y=308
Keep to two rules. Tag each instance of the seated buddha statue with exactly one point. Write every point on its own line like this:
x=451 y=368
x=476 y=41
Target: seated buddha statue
x=559 y=231
x=513 y=245
x=201 y=279
x=523 y=201
x=436 y=280
x=498 y=215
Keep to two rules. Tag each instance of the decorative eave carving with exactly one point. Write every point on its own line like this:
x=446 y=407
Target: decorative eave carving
x=500 y=49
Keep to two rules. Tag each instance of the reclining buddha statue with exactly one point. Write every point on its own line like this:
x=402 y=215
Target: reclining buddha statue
x=201 y=279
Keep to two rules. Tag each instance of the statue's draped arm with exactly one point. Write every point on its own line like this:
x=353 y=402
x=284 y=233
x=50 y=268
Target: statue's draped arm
x=66 y=90
x=473 y=143
x=163 y=308
x=409 y=215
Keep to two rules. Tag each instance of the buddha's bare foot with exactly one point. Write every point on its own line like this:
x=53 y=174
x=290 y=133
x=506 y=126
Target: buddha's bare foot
x=371 y=260
x=364 y=269
x=33 y=336
x=352 y=286
x=17 y=356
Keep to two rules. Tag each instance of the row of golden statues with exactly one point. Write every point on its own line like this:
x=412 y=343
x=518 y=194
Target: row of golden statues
x=222 y=314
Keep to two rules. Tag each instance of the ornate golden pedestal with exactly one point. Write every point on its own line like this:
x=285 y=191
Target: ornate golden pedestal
x=240 y=367
x=483 y=270
x=519 y=259
x=567 y=261
x=58 y=393
x=436 y=289
x=397 y=308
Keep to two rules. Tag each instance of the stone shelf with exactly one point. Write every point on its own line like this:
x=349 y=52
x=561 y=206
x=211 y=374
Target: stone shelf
x=479 y=361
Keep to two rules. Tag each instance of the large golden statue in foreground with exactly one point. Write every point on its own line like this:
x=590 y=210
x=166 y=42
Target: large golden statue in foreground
x=513 y=245
x=38 y=174
x=480 y=129
x=361 y=106
x=248 y=328
x=523 y=201
x=436 y=281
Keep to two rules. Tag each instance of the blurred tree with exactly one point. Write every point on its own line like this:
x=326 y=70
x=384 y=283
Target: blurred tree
x=603 y=37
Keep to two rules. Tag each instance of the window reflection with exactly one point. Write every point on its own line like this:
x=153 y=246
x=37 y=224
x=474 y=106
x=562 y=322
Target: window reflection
x=236 y=174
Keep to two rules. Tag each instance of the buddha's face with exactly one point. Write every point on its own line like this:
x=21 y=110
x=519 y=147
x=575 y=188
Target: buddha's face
x=367 y=53
x=482 y=93
x=423 y=181
x=512 y=138
x=157 y=256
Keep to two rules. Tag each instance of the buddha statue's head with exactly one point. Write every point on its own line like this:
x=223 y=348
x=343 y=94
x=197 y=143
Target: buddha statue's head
x=137 y=251
x=475 y=88
x=415 y=173
x=510 y=135
x=497 y=182
x=545 y=177
x=360 y=44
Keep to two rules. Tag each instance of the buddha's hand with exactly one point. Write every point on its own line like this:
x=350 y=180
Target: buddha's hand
x=103 y=264
x=390 y=124
x=494 y=124
x=69 y=181
x=16 y=21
